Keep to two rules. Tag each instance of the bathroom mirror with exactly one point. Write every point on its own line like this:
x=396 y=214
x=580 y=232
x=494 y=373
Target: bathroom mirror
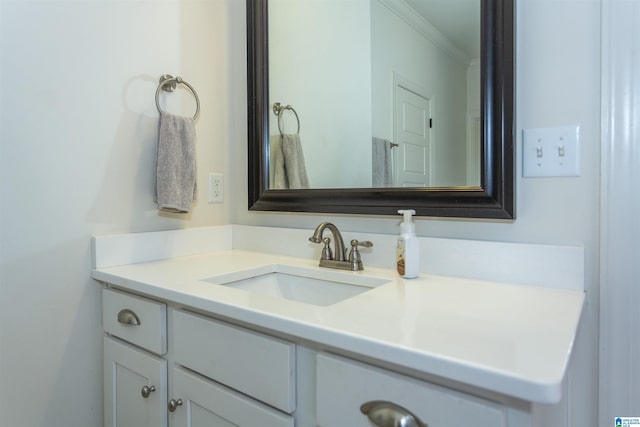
x=486 y=192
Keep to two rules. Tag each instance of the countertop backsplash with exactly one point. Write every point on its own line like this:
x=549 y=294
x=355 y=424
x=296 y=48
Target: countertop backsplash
x=559 y=267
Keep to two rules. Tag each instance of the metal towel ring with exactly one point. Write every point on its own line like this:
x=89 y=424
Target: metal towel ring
x=277 y=110
x=168 y=84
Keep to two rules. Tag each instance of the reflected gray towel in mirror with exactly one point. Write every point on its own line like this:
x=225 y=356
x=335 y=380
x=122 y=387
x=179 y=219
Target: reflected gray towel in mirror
x=381 y=163
x=175 y=188
x=277 y=172
x=287 y=168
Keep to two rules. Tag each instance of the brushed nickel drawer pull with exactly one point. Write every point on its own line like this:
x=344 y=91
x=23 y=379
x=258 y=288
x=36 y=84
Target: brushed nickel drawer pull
x=388 y=414
x=128 y=317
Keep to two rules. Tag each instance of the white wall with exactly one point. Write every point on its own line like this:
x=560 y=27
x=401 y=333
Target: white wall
x=558 y=81
x=328 y=81
x=78 y=127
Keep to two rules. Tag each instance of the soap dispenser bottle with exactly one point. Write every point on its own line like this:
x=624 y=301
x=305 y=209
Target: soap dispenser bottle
x=408 y=247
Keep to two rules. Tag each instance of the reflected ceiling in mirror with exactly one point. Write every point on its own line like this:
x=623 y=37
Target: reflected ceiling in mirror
x=387 y=96
x=345 y=94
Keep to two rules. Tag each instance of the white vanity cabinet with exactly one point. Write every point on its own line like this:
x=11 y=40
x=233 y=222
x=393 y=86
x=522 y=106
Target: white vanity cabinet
x=211 y=374
x=167 y=366
x=221 y=355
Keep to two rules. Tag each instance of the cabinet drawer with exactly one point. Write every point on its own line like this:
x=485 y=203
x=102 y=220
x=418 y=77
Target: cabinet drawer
x=150 y=332
x=344 y=385
x=206 y=403
x=258 y=365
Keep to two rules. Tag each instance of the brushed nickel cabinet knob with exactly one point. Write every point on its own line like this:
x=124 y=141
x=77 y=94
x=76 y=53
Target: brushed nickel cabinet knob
x=173 y=404
x=146 y=390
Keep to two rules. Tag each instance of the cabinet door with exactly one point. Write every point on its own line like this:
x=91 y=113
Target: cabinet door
x=127 y=370
x=204 y=403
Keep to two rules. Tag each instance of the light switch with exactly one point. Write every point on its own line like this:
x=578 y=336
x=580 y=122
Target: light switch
x=551 y=152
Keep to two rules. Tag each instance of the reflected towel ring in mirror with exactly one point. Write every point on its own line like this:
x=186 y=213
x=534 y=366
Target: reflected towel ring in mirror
x=277 y=110
x=168 y=84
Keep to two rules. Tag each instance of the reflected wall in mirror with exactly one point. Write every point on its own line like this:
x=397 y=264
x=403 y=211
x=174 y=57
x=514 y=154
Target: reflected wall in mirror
x=390 y=91
x=367 y=106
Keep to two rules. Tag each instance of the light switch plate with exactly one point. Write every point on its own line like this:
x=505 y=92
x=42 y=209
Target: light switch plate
x=551 y=152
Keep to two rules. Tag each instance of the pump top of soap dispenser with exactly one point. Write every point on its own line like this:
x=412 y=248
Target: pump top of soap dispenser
x=407 y=226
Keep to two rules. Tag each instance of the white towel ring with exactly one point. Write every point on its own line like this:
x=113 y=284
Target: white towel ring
x=277 y=110
x=168 y=84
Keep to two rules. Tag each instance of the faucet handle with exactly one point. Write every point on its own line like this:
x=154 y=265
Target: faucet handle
x=326 y=250
x=354 y=255
x=366 y=244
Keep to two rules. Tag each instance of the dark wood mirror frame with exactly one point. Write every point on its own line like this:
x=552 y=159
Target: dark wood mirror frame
x=495 y=198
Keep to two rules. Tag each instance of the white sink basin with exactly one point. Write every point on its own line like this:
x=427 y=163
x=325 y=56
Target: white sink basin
x=317 y=287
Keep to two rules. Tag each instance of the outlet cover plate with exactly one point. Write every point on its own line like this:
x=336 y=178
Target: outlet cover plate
x=216 y=188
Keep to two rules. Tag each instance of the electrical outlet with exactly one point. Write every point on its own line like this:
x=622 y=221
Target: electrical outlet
x=551 y=152
x=216 y=188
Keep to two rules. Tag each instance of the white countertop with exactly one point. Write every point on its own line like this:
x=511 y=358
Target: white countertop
x=513 y=340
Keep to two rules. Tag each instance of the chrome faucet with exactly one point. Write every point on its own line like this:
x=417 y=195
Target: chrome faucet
x=340 y=260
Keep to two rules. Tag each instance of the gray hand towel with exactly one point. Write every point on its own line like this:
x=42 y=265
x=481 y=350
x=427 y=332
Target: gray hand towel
x=176 y=166
x=287 y=168
x=294 y=161
x=277 y=172
x=381 y=163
